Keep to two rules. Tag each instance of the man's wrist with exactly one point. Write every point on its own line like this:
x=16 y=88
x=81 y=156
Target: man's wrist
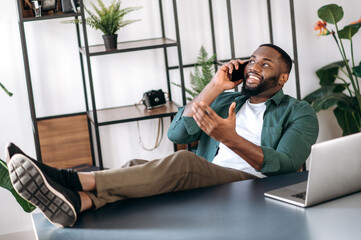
x=216 y=89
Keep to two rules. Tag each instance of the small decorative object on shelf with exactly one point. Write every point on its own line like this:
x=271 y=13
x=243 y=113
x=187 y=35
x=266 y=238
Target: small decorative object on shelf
x=26 y=4
x=110 y=41
x=108 y=20
x=48 y=5
x=69 y=6
x=153 y=98
x=36 y=5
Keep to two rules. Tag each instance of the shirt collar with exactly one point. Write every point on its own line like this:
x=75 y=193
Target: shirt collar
x=276 y=99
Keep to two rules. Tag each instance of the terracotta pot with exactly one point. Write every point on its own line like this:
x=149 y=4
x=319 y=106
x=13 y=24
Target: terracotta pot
x=110 y=41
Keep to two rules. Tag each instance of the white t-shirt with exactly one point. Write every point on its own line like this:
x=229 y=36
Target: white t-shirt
x=249 y=122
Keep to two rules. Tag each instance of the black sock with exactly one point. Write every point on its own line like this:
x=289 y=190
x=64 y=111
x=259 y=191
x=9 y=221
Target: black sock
x=65 y=177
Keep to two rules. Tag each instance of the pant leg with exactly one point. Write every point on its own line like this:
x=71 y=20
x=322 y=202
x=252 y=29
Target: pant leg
x=179 y=171
x=134 y=162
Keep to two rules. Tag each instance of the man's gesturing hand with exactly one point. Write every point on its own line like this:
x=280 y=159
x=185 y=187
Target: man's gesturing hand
x=213 y=125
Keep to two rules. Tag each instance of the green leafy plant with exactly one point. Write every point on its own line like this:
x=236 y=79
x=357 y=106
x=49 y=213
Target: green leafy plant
x=107 y=19
x=339 y=80
x=202 y=76
x=5 y=183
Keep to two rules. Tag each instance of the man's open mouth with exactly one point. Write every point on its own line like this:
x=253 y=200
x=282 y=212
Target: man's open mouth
x=253 y=78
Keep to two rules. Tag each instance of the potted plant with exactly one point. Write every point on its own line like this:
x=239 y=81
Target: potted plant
x=201 y=77
x=339 y=80
x=108 y=20
x=5 y=177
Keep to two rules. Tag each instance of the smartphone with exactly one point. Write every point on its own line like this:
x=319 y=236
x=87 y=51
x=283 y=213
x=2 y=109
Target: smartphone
x=238 y=74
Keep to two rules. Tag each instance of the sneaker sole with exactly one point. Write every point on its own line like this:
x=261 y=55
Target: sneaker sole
x=31 y=184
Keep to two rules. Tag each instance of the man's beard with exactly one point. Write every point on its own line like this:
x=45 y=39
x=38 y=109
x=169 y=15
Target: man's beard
x=264 y=85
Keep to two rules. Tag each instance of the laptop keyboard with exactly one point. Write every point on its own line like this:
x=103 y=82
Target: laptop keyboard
x=301 y=195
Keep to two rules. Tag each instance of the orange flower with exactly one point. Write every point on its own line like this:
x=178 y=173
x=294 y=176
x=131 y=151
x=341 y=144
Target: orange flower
x=358 y=21
x=321 y=26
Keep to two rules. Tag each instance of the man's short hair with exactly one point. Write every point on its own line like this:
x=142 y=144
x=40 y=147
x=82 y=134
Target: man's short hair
x=285 y=57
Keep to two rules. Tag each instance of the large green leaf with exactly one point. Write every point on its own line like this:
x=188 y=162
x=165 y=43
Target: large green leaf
x=325 y=90
x=327 y=73
x=347 y=103
x=348 y=31
x=357 y=70
x=347 y=121
x=6 y=183
x=331 y=13
x=328 y=100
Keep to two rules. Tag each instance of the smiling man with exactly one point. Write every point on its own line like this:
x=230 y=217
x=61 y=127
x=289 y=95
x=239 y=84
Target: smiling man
x=254 y=133
x=260 y=130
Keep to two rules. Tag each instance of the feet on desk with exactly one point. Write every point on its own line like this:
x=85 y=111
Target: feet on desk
x=59 y=205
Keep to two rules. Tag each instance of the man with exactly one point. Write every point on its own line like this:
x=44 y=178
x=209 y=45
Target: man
x=256 y=133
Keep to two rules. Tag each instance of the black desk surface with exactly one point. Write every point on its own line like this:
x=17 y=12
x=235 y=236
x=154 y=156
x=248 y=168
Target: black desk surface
x=231 y=211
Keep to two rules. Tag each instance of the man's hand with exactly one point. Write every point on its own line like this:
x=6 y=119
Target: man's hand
x=219 y=83
x=213 y=125
x=222 y=77
x=224 y=131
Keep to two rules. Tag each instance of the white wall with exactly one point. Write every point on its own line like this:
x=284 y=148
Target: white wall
x=118 y=79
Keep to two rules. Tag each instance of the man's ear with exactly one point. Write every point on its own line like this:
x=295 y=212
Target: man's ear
x=283 y=78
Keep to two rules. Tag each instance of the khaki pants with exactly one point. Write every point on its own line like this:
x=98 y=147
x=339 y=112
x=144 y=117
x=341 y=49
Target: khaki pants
x=179 y=171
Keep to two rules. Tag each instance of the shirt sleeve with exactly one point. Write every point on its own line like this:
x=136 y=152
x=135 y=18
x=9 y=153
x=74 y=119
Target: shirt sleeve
x=295 y=144
x=183 y=130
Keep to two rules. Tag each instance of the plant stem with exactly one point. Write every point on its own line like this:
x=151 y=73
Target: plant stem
x=356 y=90
x=342 y=71
x=346 y=64
x=357 y=123
x=6 y=91
x=353 y=64
x=352 y=57
x=349 y=91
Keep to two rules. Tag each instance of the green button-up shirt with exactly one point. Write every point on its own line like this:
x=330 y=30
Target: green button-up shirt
x=290 y=127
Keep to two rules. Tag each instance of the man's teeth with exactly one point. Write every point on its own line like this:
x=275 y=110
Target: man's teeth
x=254 y=77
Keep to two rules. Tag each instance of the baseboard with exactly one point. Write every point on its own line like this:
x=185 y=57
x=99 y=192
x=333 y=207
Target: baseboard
x=28 y=235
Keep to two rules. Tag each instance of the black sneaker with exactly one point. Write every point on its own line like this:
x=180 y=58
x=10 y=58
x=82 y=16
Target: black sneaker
x=11 y=149
x=65 y=177
x=59 y=205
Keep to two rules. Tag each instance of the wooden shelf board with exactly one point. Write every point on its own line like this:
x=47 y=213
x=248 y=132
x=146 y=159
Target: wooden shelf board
x=131 y=46
x=55 y=15
x=132 y=113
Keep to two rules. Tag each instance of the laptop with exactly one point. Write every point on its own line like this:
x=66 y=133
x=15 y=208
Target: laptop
x=335 y=171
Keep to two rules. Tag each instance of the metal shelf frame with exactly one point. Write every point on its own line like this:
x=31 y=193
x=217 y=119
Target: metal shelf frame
x=118 y=115
x=21 y=22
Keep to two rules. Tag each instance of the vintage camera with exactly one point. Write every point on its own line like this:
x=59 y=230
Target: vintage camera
x=153 y=98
